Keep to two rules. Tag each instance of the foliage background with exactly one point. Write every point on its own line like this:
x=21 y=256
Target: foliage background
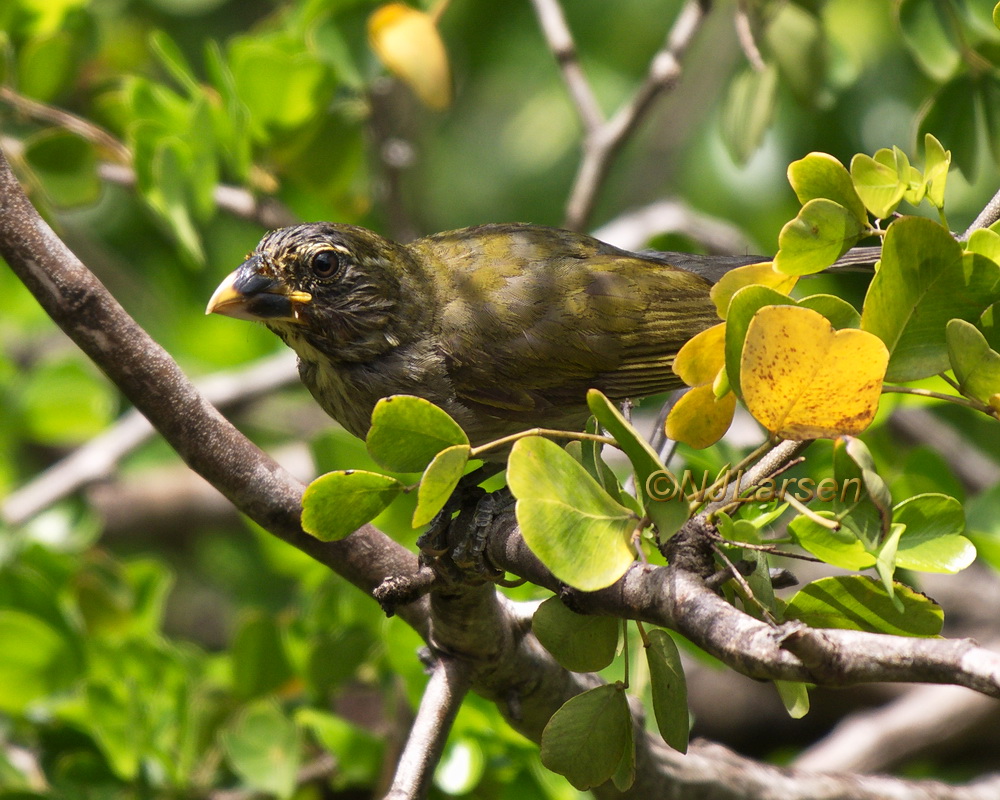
x=168 y=641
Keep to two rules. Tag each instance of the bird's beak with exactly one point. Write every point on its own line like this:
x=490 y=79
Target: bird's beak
x=249 y=294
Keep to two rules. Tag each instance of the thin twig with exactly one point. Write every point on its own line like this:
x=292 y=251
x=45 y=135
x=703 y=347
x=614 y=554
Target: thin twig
x=449 y=683
x=748 y=42
x=98 y=458
x=85 y=129
x=560 y=42
x=604 y=137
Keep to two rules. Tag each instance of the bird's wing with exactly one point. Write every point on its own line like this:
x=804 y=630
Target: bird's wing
x=523 y=335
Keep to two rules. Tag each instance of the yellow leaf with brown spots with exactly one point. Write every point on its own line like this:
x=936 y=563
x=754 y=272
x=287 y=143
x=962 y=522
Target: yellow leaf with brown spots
x=802 y=379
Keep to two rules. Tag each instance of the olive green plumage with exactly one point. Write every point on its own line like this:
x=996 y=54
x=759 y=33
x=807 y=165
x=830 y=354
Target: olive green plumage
x=504 y=326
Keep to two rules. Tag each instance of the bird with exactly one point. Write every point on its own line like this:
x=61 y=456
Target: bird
x=504 y=326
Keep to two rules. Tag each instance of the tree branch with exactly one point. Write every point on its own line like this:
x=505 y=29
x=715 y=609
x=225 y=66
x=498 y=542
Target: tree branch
x=449 y=683
x=153 y=382
x=96 y=459
x=603 y=138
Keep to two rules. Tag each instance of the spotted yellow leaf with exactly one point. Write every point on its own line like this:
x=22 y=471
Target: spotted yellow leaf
x=699 y=418
x=762 y=274
x=408 y=43
x=801 y=379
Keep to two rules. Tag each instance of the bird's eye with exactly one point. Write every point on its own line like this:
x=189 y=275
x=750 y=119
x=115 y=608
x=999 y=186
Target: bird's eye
x=325 y=264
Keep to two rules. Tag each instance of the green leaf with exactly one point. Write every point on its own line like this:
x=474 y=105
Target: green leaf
x=669 y=689
x=937 y=161
x=747 y=111
x=985 y=242
x=819 y=175
x=586 y=739
x=878 y=183
x=47 y=64
x=162 y=166
x=624 y=775
x=932 y=36
x=955 y=116
x=885 y=562
x=932 y=541
x=359 y=754
x=795 y=37
x=67 y=166
x=439 y=481
x=66 y=402
x=860 y=603
x=260 y=663
x=794 y=696
x=821 y=233
x=667 y=516
x=338 y=503
x=35 y=660
x=840 y=313
x=976 y=364
x=924 y=282
x=408 y=432
x=283 y=90
x=863 y=504
x=581 y=643
x=263 y=747
x=574 y=527
x=840 y=548
x=989 y=324
x=173 y=61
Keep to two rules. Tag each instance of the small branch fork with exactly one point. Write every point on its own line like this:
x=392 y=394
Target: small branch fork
x=603 y=137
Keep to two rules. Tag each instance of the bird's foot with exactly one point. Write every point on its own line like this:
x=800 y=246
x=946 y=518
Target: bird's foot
x=455 y=545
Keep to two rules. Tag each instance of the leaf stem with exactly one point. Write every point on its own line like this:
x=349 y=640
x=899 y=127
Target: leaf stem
x=961 y=401
x=551 y=433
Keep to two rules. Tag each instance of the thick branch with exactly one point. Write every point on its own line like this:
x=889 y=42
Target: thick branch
x=146 y=374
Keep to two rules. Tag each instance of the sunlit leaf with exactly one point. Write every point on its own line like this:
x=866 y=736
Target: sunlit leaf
x=924 y=282
x=861 y=603
x=802 y=379
x=407 y=432
x=699 y=418
x=576 y=528
x=407 y=41
x=338 y=503
x=762 y=274
x=821 y=233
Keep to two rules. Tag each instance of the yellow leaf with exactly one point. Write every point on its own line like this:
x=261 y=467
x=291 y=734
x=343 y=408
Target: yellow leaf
x=801 y=379
x=750 y=275
x=408 y=43
x=702 y=356
x=699 y=419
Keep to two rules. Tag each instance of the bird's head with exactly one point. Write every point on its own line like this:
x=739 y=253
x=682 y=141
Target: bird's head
x=342 y=290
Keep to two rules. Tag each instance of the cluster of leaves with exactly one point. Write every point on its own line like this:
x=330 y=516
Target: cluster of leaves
x=955 y=43
x=106 y=701
x=805 y=369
